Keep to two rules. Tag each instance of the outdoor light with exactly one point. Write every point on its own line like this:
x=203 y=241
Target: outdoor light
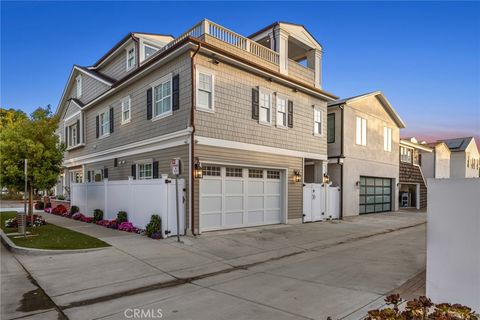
x=198 y=170
x=326 y=178
x=297 y=177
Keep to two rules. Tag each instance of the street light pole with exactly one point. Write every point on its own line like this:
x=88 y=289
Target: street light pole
x=25 y=201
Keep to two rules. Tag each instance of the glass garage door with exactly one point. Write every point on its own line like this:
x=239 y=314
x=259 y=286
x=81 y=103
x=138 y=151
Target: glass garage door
x=375 y=194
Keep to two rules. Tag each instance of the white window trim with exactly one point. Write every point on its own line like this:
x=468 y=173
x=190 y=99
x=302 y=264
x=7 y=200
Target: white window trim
x=363 y=131
x=122 y=103
x=261 y=91
x=162 y=80
x=322 y=121
x=145 y=44
x=79 y=88
x=198 y=106
x=279 y=96
x=132 y=46
x=143 y=162
x=387 y=139
x=410 y=159
x=100 y=135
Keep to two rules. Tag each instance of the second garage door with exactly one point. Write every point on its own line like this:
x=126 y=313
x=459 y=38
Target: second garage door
x=234 y=197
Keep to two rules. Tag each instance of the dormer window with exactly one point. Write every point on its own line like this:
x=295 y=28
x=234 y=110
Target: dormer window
x=79 y=86
x=148 y=51
x=130 y=57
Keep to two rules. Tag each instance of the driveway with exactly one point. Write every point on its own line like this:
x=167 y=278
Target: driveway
x=286 y=271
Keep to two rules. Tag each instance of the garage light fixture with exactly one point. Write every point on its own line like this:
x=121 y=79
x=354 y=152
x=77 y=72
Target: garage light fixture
x=198 y=170
x=297 y=177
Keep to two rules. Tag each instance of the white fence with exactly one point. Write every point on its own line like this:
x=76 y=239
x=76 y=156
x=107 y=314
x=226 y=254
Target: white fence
x=453 y=241
x=139 y=198
x=320 y=202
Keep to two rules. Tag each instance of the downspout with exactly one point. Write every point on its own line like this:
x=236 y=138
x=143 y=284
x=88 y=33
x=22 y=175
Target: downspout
x=342 y=156
x=192 y=140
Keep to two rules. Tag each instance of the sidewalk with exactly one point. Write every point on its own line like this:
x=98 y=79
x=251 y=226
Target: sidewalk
x=135 y=262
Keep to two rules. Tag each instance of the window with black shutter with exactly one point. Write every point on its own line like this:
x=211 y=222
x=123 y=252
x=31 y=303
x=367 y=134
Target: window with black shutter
x=255 y=103
x=290 y=114
x=78 y=131
x=111 y=120
x=134 y=171
x=155 y=170
x=176 y=92
x=149 y=104
x=97 y=126
x=105 y=173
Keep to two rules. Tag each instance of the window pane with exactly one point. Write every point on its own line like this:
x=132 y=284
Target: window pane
x=149 y=51
x=234 y=172
x=255 y=173
x=211 y=171
x=273 y=174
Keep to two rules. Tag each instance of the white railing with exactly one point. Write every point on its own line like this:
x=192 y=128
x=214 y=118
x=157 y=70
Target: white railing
x=223 y=34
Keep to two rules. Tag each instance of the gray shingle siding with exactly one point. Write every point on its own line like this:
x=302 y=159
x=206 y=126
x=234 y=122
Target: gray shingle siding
x=116 y=68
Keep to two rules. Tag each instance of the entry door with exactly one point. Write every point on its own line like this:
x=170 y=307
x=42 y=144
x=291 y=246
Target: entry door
x=235 y=197
x=375 y=194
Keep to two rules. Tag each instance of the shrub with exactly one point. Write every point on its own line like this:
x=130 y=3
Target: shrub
x=97 y=215
x=154 y=226
x=60 y=197
x=39 y=205
x=59 y=210
x=421 y=308
x=74 y=209
x=127 y=226
x=121 y=217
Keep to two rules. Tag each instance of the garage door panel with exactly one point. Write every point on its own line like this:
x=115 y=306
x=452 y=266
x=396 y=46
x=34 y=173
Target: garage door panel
x=255 y=217
x=273 y=202
x=273 y=188
x=375 y=194
x=233 y=203
x=210 y=186
x=271 y=216
x=234 y=218
x=234 y=187
x=255 y=187
x=211 y=204
x=211 y=221
x=255 y=202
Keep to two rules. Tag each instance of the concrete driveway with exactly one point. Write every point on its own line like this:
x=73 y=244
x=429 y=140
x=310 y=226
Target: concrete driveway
x=286 y=271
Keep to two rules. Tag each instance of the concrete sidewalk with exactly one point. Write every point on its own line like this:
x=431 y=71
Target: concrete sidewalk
x=135 y=263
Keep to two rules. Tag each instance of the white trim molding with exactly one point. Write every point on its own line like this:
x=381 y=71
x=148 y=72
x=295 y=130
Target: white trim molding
x=258 y=148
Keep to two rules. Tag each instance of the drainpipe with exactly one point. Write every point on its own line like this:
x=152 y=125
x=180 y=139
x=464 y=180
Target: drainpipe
x=192 y=140
x=342 y=156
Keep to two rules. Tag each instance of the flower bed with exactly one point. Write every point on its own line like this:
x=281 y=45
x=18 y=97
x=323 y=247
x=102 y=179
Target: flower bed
x=37 y=221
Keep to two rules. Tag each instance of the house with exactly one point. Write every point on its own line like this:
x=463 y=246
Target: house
x=363 y=152
x=413 y=184
x=242 y=113
x=435 y=164
x=464 y=159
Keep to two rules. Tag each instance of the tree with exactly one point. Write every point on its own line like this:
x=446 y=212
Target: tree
x=11 y=116
x=31 y=138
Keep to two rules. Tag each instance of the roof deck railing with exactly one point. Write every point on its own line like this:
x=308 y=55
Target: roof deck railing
x=223 y=34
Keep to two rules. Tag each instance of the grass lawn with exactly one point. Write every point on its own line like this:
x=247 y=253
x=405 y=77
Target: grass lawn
x=51 y=236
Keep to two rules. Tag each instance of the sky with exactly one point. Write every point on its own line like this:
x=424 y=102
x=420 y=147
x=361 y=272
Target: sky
x=424 y=56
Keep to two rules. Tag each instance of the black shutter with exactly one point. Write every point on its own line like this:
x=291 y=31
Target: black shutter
x=78 y=131
x=149 y=104
x=134 y=171
x=105 y=173
x=255 y=103
x=155 y=169
x=115 y=162
x=111 y=120
x=290 y=114
x=97 y=128
x=89 y=179
x=66 y=136
x=176 y=92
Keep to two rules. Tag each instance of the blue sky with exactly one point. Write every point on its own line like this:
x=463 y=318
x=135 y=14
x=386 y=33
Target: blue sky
x=425 y=56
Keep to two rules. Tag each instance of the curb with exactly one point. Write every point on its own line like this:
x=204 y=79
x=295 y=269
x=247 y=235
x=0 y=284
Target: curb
x=12 y=247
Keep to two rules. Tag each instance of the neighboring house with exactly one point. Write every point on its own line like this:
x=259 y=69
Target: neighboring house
x=244 y=115
x=363 y=151
x=435 y=164
x=464 y=159
x=413 y=184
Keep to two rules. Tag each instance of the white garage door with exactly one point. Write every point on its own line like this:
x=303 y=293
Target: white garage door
x=233 y=197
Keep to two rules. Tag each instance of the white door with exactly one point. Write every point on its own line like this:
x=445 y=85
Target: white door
x=234 y=197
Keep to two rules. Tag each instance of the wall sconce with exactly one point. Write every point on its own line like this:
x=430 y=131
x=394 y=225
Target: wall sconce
x=357 y=183
x=326 y=178
x=297 y=177
x=198 y=170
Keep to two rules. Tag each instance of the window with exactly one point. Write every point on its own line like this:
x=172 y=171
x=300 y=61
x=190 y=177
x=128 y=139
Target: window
x=317 y=122
x=130 y=57
x=205 y=89
x=255 y=173
x=162 y=97
x=468 y=159
x=104 y=123
x=234 y=172
x=211 y=171
x=281 y=111
x=406 y=154
x=273 y=174
x=76 y=176
x=95 y=175
x=144 y=171
x=79 y=86
x=331 y=128
x=148 y=51
x=265 y=104
x=387 y=139
x=361 y=132
x=126 y=113
x=72 y=135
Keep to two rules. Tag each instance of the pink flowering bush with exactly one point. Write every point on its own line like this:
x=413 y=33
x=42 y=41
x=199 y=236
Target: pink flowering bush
x=127 y=226
x=78 y=216
x=87 y=219
x=48 y=210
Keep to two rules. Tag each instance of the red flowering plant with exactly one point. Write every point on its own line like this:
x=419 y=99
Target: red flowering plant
x=59 y=210
x=78 y=216
x=127 y=226
x=87 y=219
x=48 y=210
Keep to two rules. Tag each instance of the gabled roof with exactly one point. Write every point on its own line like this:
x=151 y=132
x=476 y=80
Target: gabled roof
x=412 y=142
x=97 y=75
x=381 y=97
x=458 y=144
x=437 y=143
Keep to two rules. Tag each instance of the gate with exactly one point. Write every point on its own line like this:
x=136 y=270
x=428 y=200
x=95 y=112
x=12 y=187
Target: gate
x=320 y=202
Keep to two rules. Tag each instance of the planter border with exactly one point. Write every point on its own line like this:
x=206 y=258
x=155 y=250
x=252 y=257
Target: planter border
x=12 y=247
